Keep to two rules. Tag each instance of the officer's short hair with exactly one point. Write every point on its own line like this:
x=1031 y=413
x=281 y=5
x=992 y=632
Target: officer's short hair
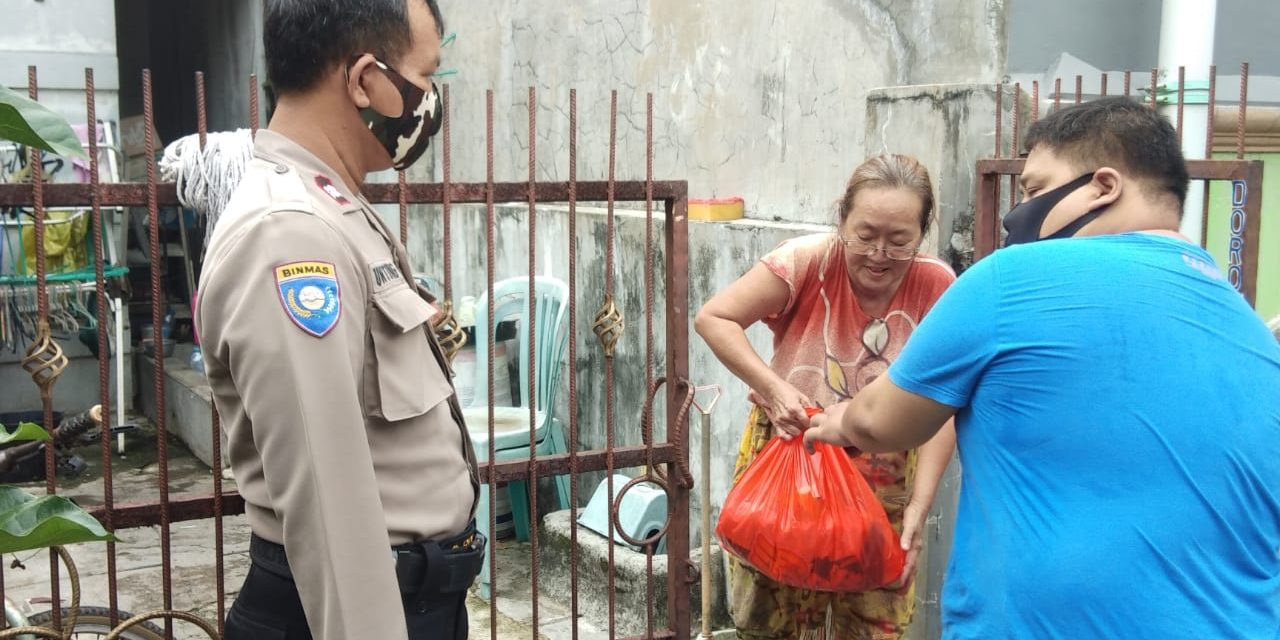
x=1119 y=133
x=303 y=39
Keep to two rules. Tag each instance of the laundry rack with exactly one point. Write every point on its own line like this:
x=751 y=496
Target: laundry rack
x=67 y=289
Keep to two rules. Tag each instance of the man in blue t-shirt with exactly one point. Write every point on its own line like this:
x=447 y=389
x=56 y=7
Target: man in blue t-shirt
x=1117 y=407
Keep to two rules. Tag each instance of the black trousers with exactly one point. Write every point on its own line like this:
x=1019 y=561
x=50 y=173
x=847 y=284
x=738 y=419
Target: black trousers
x=268 y=608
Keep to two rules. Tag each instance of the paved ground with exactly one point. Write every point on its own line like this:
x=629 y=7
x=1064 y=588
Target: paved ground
x=140 y=585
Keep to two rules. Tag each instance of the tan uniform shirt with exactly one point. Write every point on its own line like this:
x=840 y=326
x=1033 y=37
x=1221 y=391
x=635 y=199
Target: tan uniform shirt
x=344 y=432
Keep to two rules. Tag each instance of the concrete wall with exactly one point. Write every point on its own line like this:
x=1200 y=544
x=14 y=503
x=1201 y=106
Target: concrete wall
x=759 y=100
x=62 y=37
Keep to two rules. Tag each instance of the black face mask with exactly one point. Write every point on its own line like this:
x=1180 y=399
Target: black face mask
x=1024 y=222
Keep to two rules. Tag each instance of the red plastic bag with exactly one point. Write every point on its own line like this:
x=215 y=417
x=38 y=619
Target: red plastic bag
x=810 y=521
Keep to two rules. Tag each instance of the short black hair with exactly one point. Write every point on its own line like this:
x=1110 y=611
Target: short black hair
x=1116 y=132
x=303 y=39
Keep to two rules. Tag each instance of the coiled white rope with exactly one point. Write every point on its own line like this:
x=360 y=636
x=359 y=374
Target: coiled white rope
x=205 y=179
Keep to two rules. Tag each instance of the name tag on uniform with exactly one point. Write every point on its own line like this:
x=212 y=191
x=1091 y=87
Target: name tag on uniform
x=385 y=274
x=309 y=293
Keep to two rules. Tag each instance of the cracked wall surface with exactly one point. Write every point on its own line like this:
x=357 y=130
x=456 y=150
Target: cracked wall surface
x=759 y=100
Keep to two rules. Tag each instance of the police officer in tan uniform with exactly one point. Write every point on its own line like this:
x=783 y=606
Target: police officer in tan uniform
x=344 y=432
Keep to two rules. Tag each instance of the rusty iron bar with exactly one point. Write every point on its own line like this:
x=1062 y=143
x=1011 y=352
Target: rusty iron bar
x=647 y=427
x=1244 y=104
x=404 y=208
x=1182 y=96
x=253 y=105
x=445 y=202
x=677 y=314
x=573 y=359
x=1102 y=87
x=1208 y=152
x=1057 y=94
x=1197 y=169
x=157 y=341
x=218 y=512
x=1079 y=88
x=135 y=194
x=219 y=575
x=42 y=311
x=1128 y=82
x=1017 y=108
x=1155 y=85
x=608 y=360
x=532 y=486
x=489 y=336
x=202 y=127
x=999 y=119
x=1035 y=100
x=198 y=507
x=104 y=348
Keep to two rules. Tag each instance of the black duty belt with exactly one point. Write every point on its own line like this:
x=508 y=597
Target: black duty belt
x=423 y=569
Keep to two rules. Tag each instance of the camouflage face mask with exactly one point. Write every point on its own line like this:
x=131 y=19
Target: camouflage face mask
x=406 y=136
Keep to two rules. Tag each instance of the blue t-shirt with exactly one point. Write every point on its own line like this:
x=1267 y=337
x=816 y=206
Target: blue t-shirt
x=1119 y=436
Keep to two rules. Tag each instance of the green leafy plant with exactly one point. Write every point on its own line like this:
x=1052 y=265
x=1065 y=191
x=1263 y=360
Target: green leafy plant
x=30 y=123
x=28 y=522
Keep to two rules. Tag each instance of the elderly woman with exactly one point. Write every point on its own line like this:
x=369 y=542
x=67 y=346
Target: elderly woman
x=840 y=305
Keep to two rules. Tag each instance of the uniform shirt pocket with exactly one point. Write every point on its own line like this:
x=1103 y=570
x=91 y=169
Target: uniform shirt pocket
x=409 y=382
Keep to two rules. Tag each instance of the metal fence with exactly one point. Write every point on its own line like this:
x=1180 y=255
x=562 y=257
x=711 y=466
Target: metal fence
x=1245 y=176
x=665 y=463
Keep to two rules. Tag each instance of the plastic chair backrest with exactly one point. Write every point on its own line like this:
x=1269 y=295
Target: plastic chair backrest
x=511 y=298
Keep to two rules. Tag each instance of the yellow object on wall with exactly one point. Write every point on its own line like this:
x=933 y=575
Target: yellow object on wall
x=715 y=209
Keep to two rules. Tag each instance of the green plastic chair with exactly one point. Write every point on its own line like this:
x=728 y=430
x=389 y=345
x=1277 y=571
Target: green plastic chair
x=511 y=424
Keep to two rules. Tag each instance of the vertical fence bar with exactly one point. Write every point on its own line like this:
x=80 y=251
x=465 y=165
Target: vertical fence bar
x=533 y=359
x=446 y=201
x=1244 y=105
x=43 y=342
x=1182 y=97
x=157 y=341
x=104 y=344
x=253 y=104
x=215 y=428
x=1208 y=152
x=1035 y=100
x=1017 y=108
x=648 y=336
x=404 y=209
x=1102 y=86
x=679 y=397
x=1128 y=83
x=573 y=360
x=608 y=360
x=1057 y=94
x=1155 y=79
x=1079 y=88
x=999 y=143
x=489 y=336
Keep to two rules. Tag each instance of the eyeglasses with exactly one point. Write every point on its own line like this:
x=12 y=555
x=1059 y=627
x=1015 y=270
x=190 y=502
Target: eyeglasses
x=863 y=248
x=875 y=337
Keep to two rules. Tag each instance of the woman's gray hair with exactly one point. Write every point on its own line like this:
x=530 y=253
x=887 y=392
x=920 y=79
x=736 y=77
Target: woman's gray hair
x=1274 y=326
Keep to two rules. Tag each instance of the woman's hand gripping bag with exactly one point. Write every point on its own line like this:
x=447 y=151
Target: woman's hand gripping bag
x=810 y=521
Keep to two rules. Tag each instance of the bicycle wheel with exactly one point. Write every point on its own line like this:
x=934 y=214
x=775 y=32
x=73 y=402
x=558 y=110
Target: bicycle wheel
x=95 y=622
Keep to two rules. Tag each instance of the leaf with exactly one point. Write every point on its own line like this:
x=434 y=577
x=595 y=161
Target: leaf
x=28 y=122
x=26 y=431
x=836 y=379
x=28 y=522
